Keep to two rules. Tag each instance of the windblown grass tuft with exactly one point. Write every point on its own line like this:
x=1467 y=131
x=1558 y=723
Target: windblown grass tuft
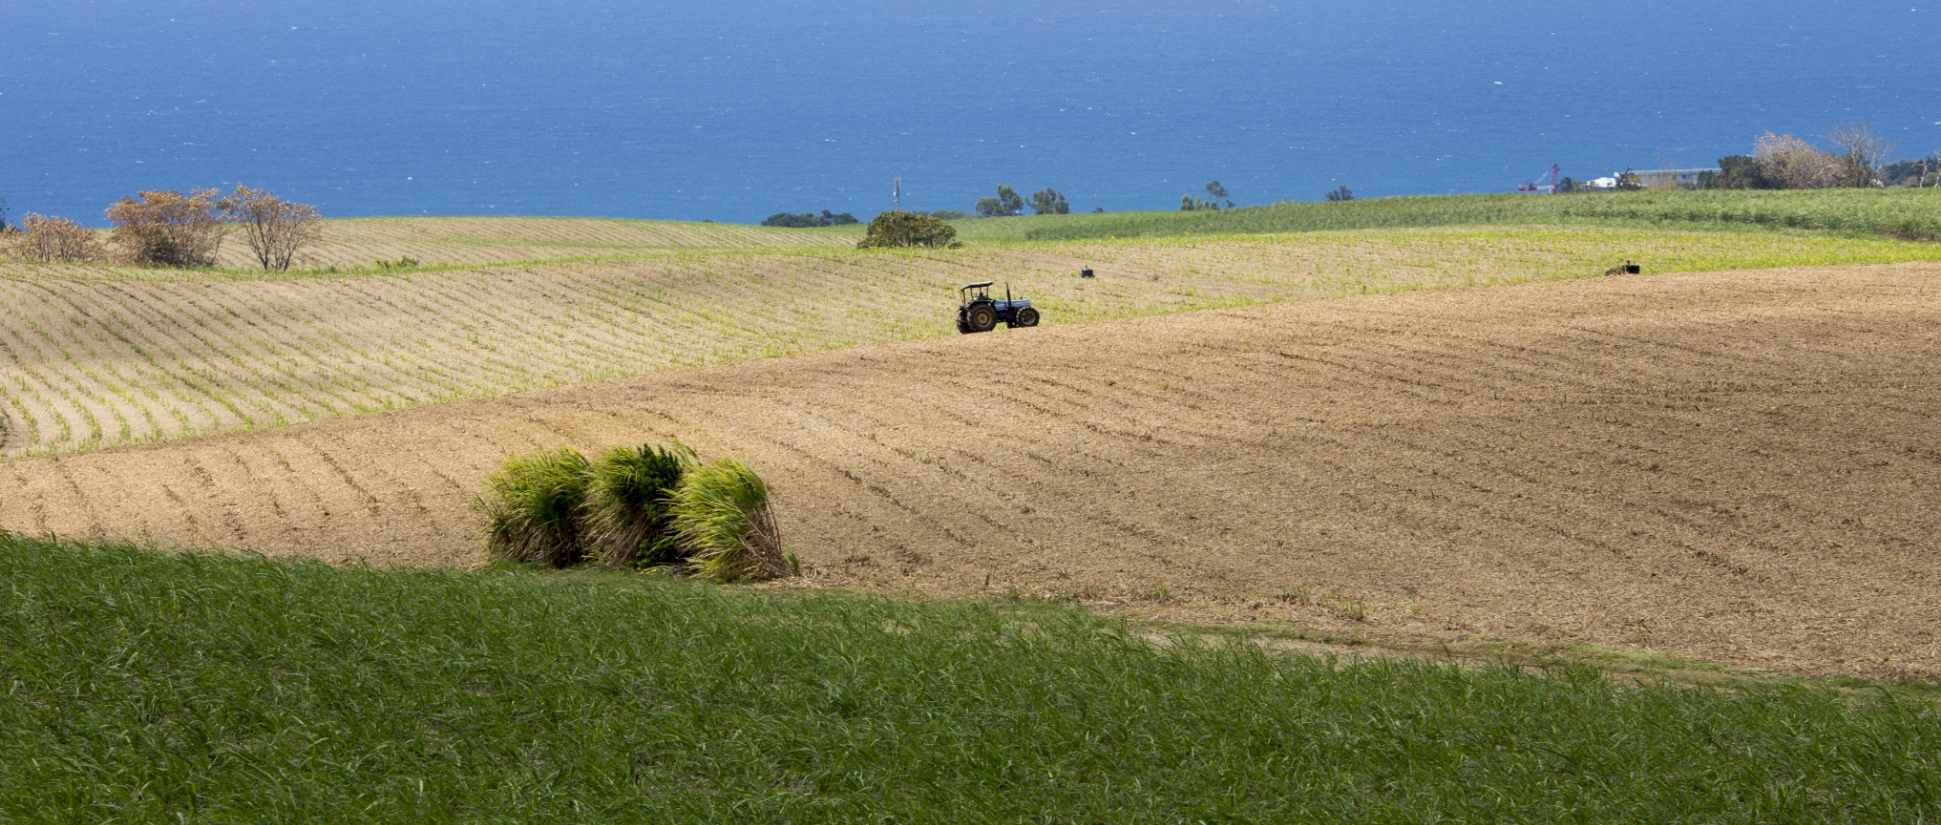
x=533 y=508
x=722 y=517
x=629 y=505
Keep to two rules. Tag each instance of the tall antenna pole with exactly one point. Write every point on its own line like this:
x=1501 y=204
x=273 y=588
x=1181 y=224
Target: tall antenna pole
x=899 y=194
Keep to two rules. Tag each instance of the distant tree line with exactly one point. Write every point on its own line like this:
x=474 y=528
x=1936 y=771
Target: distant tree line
x=1215 y=193
x=1046 y=201
x=1922 y=172
x=807 y=220
x=171 y=229
x=1006 y=204
x=1858 y=160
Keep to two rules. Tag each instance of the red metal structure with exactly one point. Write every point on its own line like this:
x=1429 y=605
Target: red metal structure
x=1550 y=188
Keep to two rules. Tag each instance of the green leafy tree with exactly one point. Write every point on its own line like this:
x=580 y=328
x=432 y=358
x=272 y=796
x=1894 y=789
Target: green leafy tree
x=1629 y=181
x=1049 y=201
x=903 y=229
x=1216 y=192
x=1341 y=194
x=1908 y=172
x=1007 y=203
x=1740 y=172
x=1013 y=202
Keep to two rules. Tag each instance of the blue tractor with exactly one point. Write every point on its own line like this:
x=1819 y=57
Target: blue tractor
x=979 y=312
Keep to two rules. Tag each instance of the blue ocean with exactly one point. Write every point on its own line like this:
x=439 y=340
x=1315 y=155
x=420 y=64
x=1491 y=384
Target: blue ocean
x=732 y=110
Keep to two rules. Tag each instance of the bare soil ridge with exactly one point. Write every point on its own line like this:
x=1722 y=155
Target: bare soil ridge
x=1734 y=466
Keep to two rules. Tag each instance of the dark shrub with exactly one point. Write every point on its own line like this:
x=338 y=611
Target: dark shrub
x=903 y=229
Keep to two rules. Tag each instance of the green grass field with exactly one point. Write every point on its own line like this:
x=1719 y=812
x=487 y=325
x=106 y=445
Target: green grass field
x=144 y=687
x=1912 y=214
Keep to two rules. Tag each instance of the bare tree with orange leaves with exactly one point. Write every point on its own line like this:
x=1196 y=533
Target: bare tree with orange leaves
x=274 y=228
x=168 y=228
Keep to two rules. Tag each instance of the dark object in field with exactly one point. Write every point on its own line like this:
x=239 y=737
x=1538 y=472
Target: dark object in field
x=1628 y=268
x=979 y=312
x=1086 y=273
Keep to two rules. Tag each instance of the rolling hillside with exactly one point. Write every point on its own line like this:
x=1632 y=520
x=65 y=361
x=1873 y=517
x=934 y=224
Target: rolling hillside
x=98 y=356
x=1733 y=466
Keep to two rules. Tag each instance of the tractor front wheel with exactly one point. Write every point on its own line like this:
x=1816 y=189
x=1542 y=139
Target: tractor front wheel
x=1026 y=317
x=981 y=319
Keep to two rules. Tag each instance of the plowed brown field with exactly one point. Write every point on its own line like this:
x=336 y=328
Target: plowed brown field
x=1734 y=466
x=99 y=356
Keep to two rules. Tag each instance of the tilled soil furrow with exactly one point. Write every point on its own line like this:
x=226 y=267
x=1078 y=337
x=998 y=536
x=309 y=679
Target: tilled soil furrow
x=95 y=373
x=1716 y=465
x=164 y=346
x=282 y=338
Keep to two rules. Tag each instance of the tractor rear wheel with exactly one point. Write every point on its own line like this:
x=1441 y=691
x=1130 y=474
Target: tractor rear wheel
x=981 y=319
x=1026 y=317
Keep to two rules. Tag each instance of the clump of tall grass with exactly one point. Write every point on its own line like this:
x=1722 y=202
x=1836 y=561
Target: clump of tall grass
x=629 y=505
x=534 y=508
x=725 y=526
x=636 y=507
